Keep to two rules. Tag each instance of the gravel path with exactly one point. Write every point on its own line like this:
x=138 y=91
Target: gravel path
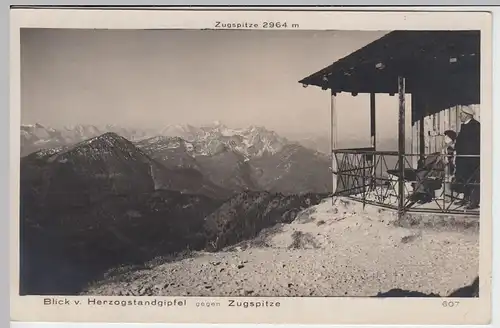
x=327 y=251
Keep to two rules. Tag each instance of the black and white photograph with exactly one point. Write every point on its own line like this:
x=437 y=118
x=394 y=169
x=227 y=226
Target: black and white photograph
x=251 y=163
x=195 y=163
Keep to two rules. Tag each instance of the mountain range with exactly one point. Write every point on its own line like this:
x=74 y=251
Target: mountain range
x=251 y=141
x=91 y=200
x=253 y=158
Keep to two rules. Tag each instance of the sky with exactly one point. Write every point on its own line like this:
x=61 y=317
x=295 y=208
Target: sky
x=155 y=78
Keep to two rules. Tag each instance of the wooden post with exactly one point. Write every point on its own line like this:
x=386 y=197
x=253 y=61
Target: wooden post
x=401 y=145
x=421 y=136
x=333 y=114
x=373 y=136
x=333 y=136
x=372 y=121
x=414 y=130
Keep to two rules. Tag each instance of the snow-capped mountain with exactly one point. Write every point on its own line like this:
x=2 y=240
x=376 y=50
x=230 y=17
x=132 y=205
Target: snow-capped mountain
x=132 y=134
x=221 y=164
x=206 y=140
x=106 y=165
x=173 y=152
x=221 y=153
x=211 y=139
x=36 y=136
x=293 y=169
x=252 y=158
x=79 y=132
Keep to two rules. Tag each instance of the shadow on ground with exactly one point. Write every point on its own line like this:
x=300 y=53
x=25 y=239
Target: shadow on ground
x=471 y=290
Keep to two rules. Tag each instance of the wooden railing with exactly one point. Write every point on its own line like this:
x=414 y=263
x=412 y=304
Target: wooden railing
x=373 y=177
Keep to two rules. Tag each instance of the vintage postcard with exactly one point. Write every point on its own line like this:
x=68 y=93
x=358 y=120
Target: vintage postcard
x=251 y=166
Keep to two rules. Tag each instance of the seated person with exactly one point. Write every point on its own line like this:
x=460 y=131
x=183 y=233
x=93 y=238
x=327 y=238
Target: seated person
x=429 y=176
x=432 y=170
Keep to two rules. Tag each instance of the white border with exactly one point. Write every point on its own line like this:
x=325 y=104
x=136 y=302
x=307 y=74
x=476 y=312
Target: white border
x=299 y=310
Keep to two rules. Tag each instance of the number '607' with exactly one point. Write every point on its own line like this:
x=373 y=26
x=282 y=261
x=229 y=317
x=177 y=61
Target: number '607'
x=450 y=303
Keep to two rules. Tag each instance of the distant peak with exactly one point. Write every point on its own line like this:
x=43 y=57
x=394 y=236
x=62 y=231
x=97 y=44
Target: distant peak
x=157 y=139
x=163 y=139
x=259 y=128
x=106 y=137
x=113 y=136
x=35 y=125
x=110 y=135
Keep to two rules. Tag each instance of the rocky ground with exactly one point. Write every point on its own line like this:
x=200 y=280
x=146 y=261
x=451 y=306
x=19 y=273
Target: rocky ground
x=340 y=250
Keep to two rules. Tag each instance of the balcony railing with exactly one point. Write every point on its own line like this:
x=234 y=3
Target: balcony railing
x=376 y=177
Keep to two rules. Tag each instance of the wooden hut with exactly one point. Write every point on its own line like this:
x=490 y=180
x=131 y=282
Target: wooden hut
x=441 y=72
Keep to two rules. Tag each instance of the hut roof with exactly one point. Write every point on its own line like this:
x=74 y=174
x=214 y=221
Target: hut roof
x=427 y=59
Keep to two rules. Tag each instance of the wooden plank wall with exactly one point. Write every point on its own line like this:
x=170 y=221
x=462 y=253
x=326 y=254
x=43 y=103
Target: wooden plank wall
x=415 y=143
x=434 y=127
